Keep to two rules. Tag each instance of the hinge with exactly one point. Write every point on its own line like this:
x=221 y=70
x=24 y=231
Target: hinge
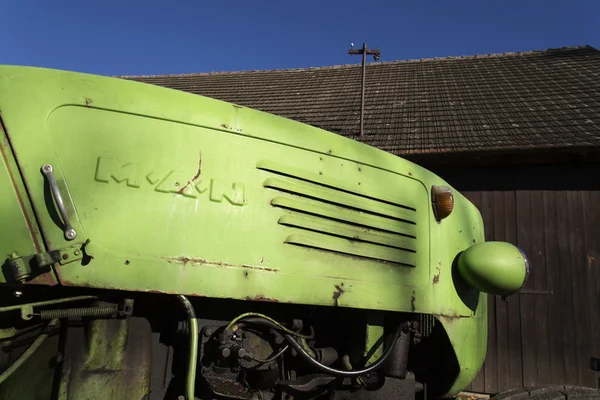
x=24 y=268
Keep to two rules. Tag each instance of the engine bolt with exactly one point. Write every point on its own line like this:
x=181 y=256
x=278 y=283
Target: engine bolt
x=225 y=352
x=208 y=332
x=241 y=353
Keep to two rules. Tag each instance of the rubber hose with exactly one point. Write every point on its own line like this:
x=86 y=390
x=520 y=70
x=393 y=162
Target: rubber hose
x=193 y=357
x=336 y=372
x=28 y=353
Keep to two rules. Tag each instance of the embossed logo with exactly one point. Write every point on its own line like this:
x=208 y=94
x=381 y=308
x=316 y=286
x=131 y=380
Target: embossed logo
x=135 y=176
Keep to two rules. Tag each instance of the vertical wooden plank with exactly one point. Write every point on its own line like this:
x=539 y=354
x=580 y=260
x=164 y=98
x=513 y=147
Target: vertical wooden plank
x=566 y=288
x=528 y=331
x=591 y=203
x=539 y=277
x=502 y=343
x=591 y=207
x=514 y=302
x=583 y=344
x=490 y=366
x=557 y=362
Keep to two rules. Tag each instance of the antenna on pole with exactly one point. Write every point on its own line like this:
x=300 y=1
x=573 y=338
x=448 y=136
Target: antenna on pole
x=364 y=52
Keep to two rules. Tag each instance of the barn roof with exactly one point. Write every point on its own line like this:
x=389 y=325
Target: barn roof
x=547 y=99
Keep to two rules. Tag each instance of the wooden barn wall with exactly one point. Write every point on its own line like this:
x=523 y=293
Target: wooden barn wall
x=549 y=335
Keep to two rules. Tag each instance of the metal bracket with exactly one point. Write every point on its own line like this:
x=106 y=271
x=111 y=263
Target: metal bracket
x=24 y=268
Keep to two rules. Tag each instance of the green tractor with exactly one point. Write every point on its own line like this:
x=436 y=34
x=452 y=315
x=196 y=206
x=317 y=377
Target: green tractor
x=163 y=245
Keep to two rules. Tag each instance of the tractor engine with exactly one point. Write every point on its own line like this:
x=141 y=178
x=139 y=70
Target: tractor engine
x=156 y=346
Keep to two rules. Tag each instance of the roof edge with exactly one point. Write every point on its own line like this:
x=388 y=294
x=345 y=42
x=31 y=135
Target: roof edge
x=448 y=58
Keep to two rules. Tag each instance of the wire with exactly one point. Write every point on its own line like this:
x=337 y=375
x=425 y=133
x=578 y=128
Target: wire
x=336 y=372
x=276 y=324
x=193 y=357
x=28 y=353
x=270 y=359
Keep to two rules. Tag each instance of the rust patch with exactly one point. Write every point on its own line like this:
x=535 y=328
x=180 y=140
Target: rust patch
x=225 y=126
x=195 y=178
x=412 y=303
x=236 y=106
x=436 y=278
x=339 y=291
x=47 y=278
x=409 y=173
x=88 y=101
x=201 y=261
x=260 y=297
x=260 y=268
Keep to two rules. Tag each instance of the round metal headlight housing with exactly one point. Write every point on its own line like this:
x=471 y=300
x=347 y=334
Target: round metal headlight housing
x=526 y=267
x=497 y=268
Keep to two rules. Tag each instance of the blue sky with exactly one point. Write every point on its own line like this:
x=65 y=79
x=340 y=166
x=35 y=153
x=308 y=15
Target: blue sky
x=132 y=37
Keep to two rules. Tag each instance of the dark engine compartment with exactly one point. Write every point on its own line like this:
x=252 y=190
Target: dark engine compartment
x=137 y=346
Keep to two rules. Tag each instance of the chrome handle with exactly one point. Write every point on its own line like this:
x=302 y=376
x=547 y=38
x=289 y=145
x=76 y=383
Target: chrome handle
x=70 y=233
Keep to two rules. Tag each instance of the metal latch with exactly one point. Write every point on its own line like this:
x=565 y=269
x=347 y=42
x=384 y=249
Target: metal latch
x=24 y=268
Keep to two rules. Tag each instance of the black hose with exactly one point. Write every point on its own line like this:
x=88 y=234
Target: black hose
x=336 y=372
x=266 y=322
x=270 y=359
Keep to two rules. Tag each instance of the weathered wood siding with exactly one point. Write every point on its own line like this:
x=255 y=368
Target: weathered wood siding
x=553 y=214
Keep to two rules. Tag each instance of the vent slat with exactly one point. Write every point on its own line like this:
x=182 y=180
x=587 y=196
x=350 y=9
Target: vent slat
x=340 y=198
x=332 y=183
x=351 y=248
x=348 y=231
x=342 y=214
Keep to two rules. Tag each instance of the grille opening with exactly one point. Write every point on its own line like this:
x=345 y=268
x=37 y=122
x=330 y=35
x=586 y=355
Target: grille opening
x=355 y=239
x=344 y=221
x=368 y=212
x=325 y=185
x=354 y=256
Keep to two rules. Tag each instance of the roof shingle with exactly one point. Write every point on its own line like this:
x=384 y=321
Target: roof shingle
x=513 y=101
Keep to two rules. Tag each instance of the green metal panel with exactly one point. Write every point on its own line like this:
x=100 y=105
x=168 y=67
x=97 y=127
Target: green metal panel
x=183 y=194
x=20 y=234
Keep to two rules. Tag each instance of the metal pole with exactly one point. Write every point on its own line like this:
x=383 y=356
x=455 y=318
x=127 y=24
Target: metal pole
x=362 y=93
x=364 y=52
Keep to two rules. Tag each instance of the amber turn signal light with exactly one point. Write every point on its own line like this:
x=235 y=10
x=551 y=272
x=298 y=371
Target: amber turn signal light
x=442 y=200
